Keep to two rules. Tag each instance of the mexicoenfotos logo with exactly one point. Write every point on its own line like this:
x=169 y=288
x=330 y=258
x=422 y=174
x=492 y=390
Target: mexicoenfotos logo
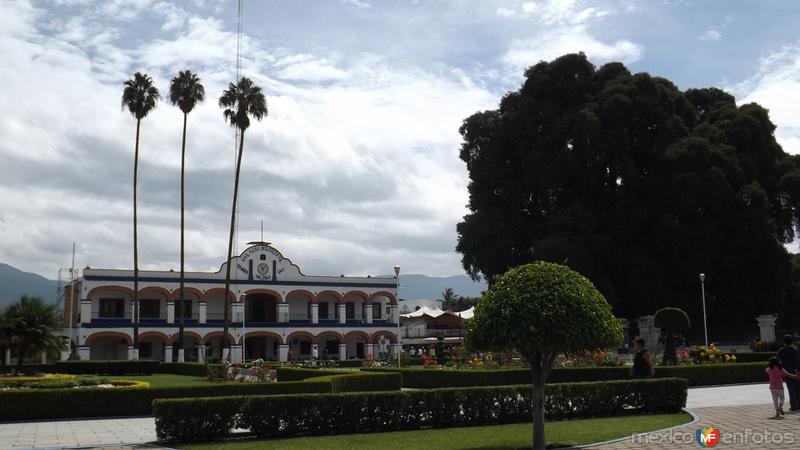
x=707 y=436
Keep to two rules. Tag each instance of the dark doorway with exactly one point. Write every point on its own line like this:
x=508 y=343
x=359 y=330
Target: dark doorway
x=261 y=308
x=360 y=350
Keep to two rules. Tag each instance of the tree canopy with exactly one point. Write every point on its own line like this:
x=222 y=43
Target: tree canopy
x=635 y=184
x=30 y=325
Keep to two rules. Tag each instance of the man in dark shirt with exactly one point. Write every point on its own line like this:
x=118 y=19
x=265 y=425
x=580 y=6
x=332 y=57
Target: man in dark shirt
x=790 y=359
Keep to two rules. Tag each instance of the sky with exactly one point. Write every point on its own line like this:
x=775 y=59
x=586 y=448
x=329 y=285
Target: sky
x=356 y=167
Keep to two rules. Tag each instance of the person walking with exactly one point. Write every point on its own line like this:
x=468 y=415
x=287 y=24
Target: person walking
x=777 y=374
x=642 y=361
x=790 y=360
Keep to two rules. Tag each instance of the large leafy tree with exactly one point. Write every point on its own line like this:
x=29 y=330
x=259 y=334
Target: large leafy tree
x=185 y=91
x=139 y=97
x=240 y=101
x=30 y=325
x=540 y=310
x=637 y=185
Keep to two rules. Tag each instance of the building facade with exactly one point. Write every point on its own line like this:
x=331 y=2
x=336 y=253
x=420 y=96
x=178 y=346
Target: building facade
x=276 y=312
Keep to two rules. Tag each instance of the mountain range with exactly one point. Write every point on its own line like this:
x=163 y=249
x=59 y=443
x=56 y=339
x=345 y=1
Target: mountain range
x=15 y=282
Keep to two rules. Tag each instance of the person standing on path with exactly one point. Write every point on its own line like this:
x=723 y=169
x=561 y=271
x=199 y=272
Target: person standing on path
x=790 y=360
x=642 y=361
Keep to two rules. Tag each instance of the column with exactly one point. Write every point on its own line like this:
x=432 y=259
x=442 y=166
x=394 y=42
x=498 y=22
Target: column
x=283 y=312
x=86 y=311
x=8 y=357
x=368 y=312
x=766 y=325
x=283 y=352
x=236 y=353
x=181 y=354
x=237 y=312
x=201 y=311
x=342 y=351
x=132 y=353
x=201 y=353
x=394 y=348
x=314 y=313
x=167 y=353
x=170 y=311
x=64 y=355
x=342 y=312
x=44 y=357
x=83 y=353
x=370 y=350
x=648 y=331
x=395 y=314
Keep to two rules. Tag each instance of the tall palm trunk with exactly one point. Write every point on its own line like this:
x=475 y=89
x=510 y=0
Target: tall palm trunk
x=135 y=306
x=230 y=244
x=180 y=301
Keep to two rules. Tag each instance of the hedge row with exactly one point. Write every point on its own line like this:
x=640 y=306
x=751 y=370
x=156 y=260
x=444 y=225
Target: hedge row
x=29 y=404
x=746 y=357
x=699 y=375
x=295 y=415
x=362 y=382
x=300 y=373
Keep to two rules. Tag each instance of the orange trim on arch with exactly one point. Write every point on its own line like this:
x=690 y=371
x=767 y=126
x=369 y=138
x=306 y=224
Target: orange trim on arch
x=330 y=333
x=301 y=334
x=217 y=334
x=364 y=296
x=113 y=287
x=186 y=334
x=392 y=298
x=262 y=333
x=333 y=293
x=214 y=291
x=308 y=294
x=377 y=336
x=189 y=290
x=164 y=338
x=361 y=334
x=262 y=291
x=161 y=291
x=103 y=334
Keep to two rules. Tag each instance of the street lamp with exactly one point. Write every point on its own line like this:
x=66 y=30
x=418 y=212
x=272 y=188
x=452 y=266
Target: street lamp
x=397 y=308
x=705 y=321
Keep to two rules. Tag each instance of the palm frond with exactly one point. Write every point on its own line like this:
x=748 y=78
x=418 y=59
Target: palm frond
x=139 y=95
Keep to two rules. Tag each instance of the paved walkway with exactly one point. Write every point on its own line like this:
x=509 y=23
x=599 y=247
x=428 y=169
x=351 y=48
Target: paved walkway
x=743 y=415
x=743 y=409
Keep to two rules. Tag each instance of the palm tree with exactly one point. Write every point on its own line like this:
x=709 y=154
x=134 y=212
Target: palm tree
x=29 y=325
x=140 y=97
x=185 y=91
x=240 y=101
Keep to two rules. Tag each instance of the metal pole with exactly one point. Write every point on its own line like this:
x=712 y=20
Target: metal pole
x=244 y=327
x=72 y=296
x=705 y=321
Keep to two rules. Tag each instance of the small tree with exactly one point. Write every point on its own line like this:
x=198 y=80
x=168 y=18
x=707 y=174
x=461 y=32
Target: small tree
x=671 y=321
x=540 y=310
x=29 y=325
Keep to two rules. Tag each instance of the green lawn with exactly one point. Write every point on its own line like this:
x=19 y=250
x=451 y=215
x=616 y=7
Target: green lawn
x=166 y=380
x=561 y=433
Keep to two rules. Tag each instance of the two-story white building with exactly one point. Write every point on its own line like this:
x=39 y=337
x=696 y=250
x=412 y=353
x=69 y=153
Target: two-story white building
x=277 y=312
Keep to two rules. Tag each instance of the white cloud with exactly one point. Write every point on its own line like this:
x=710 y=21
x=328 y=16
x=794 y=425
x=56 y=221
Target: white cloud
x=561 y=12
x=711 y=35
x=505 y=12
x=360 y=4
x=556 y=42
x=776 y=86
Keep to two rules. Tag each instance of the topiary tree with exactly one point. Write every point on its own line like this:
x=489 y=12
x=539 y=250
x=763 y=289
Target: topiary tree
x=541 y=310
x=671 y=321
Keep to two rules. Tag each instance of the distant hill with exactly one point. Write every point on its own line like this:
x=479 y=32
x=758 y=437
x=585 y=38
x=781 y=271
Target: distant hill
x=414 y=286
x=14 y=282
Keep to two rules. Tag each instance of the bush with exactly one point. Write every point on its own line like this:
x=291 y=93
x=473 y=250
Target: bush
x=141 y=367
x=29 y=404
x=294 y=415
x=298 y=373
x=696 y=375
x=362 y=382
x=746 y=357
